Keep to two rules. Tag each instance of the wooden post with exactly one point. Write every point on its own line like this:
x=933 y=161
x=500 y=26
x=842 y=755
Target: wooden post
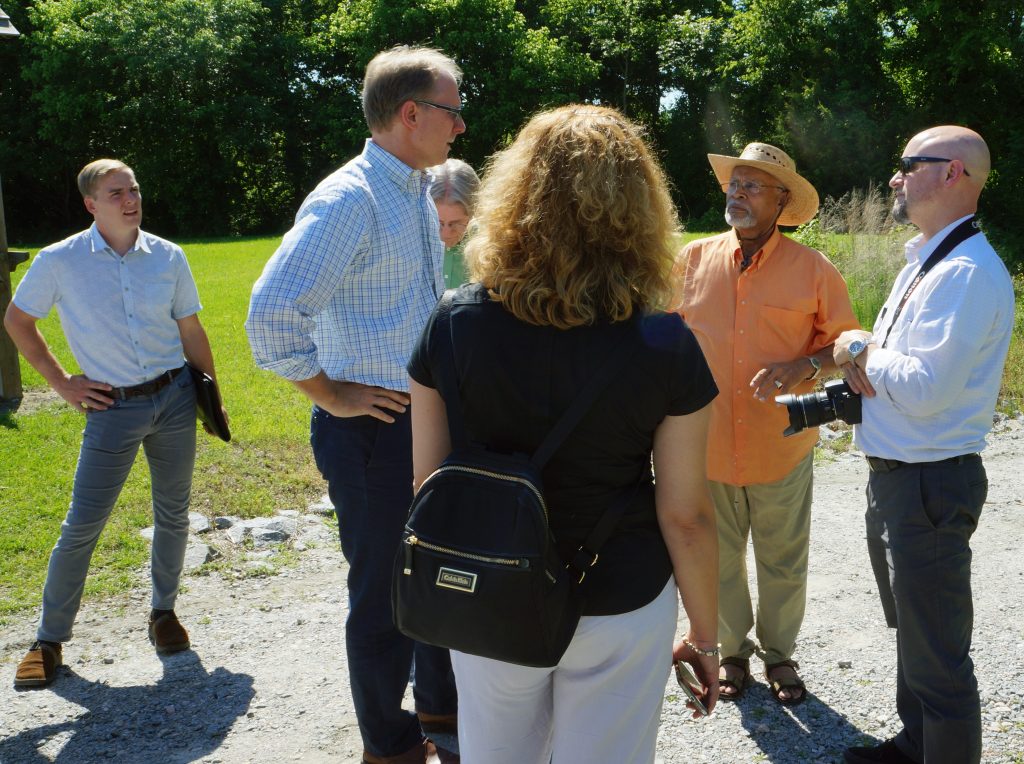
x=10 y=372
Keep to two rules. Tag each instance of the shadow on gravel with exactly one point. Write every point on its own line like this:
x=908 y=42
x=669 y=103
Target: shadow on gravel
x=181 y=718
x=811 y=731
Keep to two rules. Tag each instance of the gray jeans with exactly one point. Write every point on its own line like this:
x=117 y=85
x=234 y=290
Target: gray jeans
x=164 y=425
x=920 y=520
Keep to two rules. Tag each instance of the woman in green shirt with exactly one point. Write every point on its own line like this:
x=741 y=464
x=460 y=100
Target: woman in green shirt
x=453 y=192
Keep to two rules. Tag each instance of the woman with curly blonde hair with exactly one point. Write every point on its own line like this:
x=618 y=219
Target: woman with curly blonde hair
x=572 y=257
x=574 y=221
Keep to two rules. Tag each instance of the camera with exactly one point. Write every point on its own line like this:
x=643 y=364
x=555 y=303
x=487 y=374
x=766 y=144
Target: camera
x=835 y=401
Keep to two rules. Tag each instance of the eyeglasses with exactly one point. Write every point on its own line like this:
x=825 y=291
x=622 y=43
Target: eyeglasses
x=749 y=187
x=907 y=163
x=454 y=111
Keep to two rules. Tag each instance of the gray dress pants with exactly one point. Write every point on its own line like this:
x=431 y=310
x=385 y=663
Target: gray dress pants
x=164 y=424
x=920 y=520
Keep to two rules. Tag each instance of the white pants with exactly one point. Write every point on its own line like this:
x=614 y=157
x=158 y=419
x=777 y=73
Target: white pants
x=601 y=703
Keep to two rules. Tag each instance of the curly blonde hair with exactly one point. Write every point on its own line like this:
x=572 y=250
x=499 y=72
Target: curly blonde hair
x=575 y=222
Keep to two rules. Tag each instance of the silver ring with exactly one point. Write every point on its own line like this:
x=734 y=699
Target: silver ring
x=778 y=384
x=85 y=405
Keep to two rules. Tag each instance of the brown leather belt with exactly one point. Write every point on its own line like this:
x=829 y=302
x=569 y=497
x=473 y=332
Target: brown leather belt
x=147 y=388
x=888 y=465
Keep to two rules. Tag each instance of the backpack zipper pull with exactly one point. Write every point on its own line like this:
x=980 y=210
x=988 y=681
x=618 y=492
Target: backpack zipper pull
x=409 y=544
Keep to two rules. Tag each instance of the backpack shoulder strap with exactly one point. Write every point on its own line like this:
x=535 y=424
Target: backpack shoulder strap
x=447 y=382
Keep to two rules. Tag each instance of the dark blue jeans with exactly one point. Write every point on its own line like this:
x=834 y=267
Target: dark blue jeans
x=368 y=468
x=920 y=520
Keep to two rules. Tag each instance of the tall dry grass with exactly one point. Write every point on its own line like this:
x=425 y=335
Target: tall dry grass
x=857 y=233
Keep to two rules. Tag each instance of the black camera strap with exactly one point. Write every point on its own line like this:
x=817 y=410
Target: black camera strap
x=953 y=239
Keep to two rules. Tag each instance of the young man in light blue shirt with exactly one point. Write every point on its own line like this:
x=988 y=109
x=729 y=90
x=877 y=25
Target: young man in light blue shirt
x=128 y=307
x=337 y=312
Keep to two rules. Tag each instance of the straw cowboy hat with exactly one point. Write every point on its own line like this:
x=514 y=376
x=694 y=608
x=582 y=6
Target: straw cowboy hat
x=803 y=199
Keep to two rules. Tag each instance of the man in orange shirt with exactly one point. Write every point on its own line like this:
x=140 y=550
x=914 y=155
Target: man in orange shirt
x=766 y=311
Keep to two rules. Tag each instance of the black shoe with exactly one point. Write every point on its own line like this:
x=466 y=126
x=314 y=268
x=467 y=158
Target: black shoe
x=886 y=753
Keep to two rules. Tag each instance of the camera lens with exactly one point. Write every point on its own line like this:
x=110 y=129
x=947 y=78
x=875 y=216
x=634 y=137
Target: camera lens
x=836 y=401
x=808 y=410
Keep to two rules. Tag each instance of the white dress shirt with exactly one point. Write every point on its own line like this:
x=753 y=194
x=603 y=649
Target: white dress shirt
x=939 y=375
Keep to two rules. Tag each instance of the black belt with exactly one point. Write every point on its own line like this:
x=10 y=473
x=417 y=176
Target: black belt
x=888 y=465
x=147 y=388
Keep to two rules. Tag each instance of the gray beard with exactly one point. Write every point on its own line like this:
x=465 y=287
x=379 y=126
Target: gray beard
x=899 y=212
x=744 y=220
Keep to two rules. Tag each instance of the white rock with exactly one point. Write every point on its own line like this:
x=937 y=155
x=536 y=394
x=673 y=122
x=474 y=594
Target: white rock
x=197 y=555
x=322 y=507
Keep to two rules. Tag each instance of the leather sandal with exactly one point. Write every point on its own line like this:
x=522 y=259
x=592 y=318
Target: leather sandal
x=789 y=683
x=738 y=685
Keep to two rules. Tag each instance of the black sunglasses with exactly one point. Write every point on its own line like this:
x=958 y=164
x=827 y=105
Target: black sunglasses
x=907 y=163
x=455 y=111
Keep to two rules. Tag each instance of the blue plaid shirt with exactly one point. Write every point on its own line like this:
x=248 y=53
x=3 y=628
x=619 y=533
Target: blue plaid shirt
x=352 y=284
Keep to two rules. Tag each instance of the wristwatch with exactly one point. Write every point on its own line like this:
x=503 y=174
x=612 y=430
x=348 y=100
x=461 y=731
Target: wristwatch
x=817 y=368
x=855 y=349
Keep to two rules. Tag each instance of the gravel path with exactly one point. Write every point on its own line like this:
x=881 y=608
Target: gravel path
x=266 y=679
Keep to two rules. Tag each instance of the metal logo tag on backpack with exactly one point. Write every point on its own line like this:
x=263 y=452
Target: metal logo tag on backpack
x=456 y=579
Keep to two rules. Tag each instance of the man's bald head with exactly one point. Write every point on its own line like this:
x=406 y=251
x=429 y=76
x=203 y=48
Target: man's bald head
x=955 y=142
x=944 y=184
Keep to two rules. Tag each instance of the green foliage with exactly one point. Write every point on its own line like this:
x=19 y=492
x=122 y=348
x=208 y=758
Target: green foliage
x=510 y=69
x=231 y=110
x=1011 y=396
x=154 y=82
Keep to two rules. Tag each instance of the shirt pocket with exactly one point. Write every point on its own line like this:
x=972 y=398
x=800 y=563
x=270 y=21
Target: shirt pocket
x=784 y=333
x=159 y=294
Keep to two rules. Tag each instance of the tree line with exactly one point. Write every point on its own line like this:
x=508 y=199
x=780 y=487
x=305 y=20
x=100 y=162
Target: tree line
x=232 y=110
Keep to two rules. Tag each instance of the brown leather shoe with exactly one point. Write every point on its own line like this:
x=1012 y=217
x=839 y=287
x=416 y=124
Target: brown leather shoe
x=415 y=755
x=167 y=634
x=39 y=666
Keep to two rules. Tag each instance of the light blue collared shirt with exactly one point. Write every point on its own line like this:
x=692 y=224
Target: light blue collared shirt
x=938 y=377
x=352 y=284
x=118 y=313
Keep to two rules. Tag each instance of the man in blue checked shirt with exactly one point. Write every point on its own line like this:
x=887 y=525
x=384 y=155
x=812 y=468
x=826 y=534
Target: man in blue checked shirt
x=337 y=311
x=129 y=310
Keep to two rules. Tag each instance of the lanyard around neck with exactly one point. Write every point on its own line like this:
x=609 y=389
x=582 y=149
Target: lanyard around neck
x=953 y=239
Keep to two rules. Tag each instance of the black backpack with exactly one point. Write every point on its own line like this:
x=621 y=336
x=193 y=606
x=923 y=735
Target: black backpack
x=477 y=570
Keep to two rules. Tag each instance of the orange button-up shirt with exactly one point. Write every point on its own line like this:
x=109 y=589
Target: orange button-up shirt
x=789 y=303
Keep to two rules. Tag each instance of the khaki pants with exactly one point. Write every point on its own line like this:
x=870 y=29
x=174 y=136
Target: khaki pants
x=777 y=517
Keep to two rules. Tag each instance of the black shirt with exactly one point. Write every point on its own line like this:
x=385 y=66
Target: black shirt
x=516 y=380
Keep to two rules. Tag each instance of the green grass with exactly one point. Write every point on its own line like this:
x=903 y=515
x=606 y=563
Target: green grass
x=267 y=466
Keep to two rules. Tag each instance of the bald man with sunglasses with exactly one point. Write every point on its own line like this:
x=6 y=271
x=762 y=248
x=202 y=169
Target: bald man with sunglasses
x=929 y=372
